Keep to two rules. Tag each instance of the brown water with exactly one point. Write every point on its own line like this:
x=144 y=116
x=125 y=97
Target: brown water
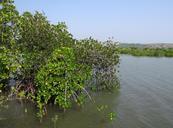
x=145 y=100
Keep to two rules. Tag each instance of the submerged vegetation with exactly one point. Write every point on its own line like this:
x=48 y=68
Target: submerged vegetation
x=155 y=52
x=42 y=62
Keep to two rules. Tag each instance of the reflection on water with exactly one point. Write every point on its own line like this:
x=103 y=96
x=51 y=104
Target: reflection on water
x=145 y=100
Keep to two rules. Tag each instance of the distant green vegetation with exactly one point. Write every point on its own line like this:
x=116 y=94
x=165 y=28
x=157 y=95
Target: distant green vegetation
x=155 y=52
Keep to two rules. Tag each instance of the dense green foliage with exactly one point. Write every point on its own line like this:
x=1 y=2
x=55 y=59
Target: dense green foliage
x=61 y=80
x=93 y=52
x=157 y=52
x=8 y=33
x=8 y=23
x=102 y=58
x=37 y=39
x=47 y=64
x=8 y=66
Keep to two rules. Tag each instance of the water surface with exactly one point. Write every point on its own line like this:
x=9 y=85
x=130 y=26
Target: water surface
x=145 y=100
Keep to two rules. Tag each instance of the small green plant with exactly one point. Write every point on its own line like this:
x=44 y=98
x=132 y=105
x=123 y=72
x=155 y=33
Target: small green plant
x=54 y=120
x=112 y=116
x=105 y=110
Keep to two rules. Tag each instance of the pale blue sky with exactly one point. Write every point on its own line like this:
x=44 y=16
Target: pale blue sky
x=131 y=21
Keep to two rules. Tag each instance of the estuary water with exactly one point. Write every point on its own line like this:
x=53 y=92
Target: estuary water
x=144 y=100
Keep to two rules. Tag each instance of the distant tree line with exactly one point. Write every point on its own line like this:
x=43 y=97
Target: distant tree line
x=155 y=52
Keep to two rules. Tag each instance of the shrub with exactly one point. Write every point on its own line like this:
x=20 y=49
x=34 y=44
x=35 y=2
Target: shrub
x=8 y=23
x=8 y=33
x=36 y=41
x=8 y=66
x=61 y=80
x=102 y=58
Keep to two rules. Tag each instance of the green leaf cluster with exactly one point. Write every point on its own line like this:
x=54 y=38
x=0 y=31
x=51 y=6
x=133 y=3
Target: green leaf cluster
x=8 y=23
x=102 y=57
x=61 y=80
x=8 y=66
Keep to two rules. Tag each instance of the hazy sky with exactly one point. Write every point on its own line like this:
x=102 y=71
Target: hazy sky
x=131 y=21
